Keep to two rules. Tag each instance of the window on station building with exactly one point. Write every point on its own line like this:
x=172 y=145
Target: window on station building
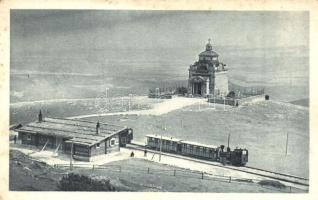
x=112 y=142
x=97 y=145
x=28 y=137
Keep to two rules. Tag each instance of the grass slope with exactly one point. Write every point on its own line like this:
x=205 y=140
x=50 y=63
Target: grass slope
x=262 y=128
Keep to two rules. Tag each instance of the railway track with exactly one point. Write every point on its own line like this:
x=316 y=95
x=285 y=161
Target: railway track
x=301 y=181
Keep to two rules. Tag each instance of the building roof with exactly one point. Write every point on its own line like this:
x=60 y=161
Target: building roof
x=164 y=138
x=77 y=131
x=199 y=144
x=209 y=53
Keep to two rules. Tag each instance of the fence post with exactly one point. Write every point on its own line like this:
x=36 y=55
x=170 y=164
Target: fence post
x=290 y=189
x=202 y=175
x=119 y=168
x=230 y=179
x=93 y=167
x=148 y=170
x=174 y=172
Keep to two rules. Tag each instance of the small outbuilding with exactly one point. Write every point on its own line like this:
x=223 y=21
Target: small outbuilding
x=84 y=139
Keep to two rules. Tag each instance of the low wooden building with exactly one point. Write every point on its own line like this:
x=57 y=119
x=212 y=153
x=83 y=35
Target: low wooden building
x=85 y=139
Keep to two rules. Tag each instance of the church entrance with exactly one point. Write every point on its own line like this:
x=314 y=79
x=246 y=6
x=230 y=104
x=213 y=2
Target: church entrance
x=197 y=88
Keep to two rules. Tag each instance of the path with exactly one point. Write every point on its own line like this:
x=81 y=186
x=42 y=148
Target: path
x=158 y=109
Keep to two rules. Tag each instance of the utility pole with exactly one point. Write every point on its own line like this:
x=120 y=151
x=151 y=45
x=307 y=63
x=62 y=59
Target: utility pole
x=224 y=103
x=160 y=148
x=107 y=98
x=228 y=140
x=71 y=157
x=286 y=148
x=122 y=102
x=129 y=102
x=286 y=144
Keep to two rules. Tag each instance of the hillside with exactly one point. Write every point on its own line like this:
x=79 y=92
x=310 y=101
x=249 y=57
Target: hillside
x=262 y=128
x=301 y=102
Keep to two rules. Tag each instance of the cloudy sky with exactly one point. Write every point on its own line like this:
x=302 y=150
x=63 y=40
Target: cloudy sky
x=97 y=39
x=43 y=30
x=269 y=48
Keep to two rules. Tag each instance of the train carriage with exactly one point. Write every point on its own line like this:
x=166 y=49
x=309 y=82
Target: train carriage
x=199 y=150
x=168 y=144
x=238 y=157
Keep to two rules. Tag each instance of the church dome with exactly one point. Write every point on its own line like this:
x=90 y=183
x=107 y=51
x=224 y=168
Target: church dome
x=208 y=51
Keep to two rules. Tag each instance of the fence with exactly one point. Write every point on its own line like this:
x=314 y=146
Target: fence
x=172 y=172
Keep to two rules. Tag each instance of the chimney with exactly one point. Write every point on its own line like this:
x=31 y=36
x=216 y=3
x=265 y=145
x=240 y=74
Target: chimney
x=97 y=128
x=40 y=117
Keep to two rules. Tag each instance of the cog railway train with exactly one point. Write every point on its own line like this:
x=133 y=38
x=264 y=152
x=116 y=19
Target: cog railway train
x=237 y=157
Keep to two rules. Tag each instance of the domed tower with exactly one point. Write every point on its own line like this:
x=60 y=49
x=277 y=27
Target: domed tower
x=208 y=75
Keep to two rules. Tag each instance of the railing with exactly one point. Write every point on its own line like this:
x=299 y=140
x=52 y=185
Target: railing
x=171 y=172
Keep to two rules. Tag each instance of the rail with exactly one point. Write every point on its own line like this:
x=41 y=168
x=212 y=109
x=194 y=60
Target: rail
x=259 y=172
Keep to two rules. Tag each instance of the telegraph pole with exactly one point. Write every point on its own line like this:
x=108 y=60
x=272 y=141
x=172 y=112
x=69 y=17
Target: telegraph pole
x=224 y=103
x=228 y=140
x=71 y=157
x=122 y=102
x=160 y=148
x=286 y=148
x=129 y=102
x=286 y=145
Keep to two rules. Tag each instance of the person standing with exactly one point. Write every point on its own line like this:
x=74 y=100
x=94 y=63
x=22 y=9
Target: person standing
x=145 y=153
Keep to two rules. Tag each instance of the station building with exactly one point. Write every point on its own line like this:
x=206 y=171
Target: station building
x=84 y=139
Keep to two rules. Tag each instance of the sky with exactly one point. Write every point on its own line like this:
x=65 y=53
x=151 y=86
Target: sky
x=37 y=30
x=270 y=48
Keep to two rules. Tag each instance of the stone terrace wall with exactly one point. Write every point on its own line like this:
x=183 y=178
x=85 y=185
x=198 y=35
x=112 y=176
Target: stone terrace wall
x=234 y=102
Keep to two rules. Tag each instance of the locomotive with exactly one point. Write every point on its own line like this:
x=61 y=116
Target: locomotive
x=236 y=157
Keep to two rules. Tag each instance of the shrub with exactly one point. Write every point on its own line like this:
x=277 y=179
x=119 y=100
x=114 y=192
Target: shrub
x=182 y=90
x=272 y=183
x=76 y=182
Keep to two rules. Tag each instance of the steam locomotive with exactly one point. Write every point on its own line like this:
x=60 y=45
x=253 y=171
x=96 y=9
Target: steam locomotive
x=237 y=157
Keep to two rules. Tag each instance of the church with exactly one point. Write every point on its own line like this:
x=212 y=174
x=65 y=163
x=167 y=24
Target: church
x=208 y=76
